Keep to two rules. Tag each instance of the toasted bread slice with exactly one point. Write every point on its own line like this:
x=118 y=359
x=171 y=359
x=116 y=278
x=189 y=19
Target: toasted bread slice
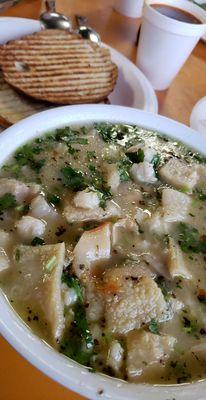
x=58 y=67
x=15 y=106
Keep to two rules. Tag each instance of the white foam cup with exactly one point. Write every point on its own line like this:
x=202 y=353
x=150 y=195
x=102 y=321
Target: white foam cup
x=129 y=8
x=165 y=43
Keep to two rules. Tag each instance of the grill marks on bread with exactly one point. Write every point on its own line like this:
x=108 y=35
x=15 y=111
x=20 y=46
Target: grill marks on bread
x=58 y=67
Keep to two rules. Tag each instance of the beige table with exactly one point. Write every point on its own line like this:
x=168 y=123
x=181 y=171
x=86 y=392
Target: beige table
x=18 y=379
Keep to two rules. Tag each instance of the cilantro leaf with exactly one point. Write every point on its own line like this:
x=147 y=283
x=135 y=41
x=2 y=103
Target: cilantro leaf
x=199 y=194
x=73 y=178
x=72 y=282
x=124 y=166
x=53 y=199
x=190 y=326
x=37 y=241
x=156 y=161
x=7 y=201
x=136 y=156
x=180 y=371
x=154 y=326
x=188 y=239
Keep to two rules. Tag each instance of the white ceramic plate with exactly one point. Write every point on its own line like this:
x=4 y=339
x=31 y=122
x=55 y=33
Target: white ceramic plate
x=132 y=88
x=55 y=365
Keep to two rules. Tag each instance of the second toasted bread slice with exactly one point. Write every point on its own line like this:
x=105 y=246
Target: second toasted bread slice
x=15 y=106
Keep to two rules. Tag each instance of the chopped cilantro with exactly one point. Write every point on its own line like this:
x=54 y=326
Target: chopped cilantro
x=73 y=178
x=180 y=371
x=154 y=326
x=104 y=195
x=109 y=132
x=53 y=199
x=188 y=239
x=7 y=201
x=156 y=161
x=190 y=326
x=200 y=158
x=23 y=209
x=90 y=155
x=72 y=282
x=82 y=325
x=69 y=136
x=14 y=169
x=164 y=286
x=71 y=150
x=37 y=241
x=25 y=156
x=199 y=194
x=124 y=166
x=78 y=342
x=136 y=156
x=17 y=255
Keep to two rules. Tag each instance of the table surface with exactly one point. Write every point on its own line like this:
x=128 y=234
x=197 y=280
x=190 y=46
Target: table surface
x=18 y=379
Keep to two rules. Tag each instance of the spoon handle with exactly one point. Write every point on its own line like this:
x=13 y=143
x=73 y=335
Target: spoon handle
x=81 y=21
x=50 y=5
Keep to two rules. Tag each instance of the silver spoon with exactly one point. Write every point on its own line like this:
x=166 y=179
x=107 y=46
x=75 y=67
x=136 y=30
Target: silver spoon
x=50 y=19
x=86 y=31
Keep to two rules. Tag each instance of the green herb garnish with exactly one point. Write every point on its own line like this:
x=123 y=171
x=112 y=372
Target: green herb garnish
x=123 y=167
x=136 y=156
x=190 y=326
x=188 y=239
x=154 y=326
x=73 y=178
x=180 y=371
x=199 y=194
x=37 y=241
x=164 y=286
x=7 y=201
x=23 y=209
x=53 y=199
x=156 y=161
x=17 y=255
x=73 y=282
x=25 y=156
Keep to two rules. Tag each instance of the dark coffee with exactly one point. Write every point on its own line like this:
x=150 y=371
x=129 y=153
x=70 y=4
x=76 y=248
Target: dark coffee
x=176 y=13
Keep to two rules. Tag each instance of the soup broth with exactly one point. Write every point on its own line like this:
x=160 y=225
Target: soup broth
x=102 y=249
x=176 y=13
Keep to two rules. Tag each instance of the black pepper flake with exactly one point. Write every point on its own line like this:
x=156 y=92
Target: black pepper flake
x=60 y=230
x=36 y=318
x=28 y=319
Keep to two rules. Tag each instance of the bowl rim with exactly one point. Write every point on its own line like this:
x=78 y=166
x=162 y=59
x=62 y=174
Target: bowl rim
x=41 y=355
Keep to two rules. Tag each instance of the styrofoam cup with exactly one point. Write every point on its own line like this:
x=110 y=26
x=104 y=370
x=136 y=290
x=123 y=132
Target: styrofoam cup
x=130 y=8
x=165 y=43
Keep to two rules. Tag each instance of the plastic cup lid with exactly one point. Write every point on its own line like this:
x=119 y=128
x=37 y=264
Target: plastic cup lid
x=198 y=116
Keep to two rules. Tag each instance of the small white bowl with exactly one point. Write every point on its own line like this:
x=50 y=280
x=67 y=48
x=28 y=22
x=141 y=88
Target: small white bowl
x=60 y=368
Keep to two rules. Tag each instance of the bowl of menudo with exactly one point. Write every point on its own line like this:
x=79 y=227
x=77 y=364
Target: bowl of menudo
x=103 y=251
